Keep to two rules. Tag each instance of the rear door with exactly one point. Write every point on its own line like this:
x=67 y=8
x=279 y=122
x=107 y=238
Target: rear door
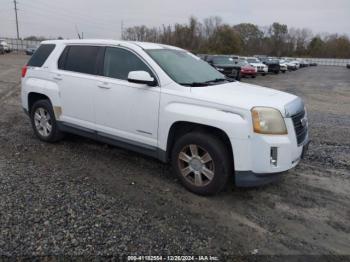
x=76 y=77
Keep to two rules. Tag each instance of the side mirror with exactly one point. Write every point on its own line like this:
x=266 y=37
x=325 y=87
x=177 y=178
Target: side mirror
x=141 y=77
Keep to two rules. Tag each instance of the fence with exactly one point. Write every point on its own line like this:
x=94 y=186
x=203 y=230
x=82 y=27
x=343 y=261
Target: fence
x=18 y=44
x=328 y=61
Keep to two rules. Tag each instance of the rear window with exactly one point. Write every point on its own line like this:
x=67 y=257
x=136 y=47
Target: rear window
x=40 y=55
x=81 y=59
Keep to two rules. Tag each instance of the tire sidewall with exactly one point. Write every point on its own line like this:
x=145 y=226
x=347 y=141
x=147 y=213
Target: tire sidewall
x=48 y=107
x=219 y=154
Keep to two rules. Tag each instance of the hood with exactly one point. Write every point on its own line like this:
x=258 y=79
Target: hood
x=257 y=64
x=244 y=96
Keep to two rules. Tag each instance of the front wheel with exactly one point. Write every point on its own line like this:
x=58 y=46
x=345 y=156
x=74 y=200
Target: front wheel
x=202 y=163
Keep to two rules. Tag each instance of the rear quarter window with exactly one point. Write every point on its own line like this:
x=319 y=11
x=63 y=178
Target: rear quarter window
x=41 y=54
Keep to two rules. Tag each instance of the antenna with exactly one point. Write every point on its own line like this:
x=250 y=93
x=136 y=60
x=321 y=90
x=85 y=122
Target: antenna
x=76 y=29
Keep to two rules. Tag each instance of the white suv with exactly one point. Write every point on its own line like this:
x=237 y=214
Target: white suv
x=164 y=102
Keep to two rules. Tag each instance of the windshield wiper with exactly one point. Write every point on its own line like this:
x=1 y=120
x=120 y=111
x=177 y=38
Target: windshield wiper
x=206 y=83
x=216 y=80
x=194 y=84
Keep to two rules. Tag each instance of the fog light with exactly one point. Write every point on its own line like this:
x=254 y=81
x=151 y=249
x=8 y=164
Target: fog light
x=273 y=156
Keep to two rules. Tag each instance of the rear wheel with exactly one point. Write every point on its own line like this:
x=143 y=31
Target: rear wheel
x=43 y=121
x=202 y=163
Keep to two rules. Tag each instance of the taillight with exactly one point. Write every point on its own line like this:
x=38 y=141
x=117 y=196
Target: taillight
x=24 y=71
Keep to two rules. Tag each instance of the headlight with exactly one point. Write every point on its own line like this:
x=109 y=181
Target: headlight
x=267 y=120
x=219 y=69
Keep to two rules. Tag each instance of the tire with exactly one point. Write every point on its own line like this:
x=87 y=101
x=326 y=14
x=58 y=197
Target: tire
x=217 y=159
x=239 y=76
x=253 y=76
x=283 y=72
x=264 y=74
x=42 y=109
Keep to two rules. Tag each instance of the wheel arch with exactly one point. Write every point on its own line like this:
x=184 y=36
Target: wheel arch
x=33 y=97
x=180 y=128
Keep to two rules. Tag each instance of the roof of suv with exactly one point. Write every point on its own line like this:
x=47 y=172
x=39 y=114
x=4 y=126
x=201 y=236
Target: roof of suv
x=143 y=45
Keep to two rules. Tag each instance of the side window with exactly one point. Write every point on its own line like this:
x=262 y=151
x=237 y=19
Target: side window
x=119 y=62
x=40 y=55
x=81 y=59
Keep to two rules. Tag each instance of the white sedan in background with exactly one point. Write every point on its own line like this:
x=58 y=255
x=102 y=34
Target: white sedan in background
x=258 y=65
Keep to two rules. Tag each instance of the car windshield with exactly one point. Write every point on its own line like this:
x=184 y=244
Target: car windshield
x=253 y=60
x=222 y=60
x=241 y=62
x=185 y=68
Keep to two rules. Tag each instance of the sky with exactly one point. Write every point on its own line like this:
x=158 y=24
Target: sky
x=103 y=18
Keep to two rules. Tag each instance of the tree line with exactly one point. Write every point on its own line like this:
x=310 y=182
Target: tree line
x=213 y=36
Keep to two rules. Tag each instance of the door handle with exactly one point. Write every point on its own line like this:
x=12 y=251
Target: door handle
x=104 y=87
x=57 y=77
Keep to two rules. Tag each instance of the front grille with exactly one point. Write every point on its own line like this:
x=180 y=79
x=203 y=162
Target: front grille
x=300 y=126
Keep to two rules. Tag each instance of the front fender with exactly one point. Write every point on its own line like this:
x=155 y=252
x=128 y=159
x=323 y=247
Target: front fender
x=234 y=124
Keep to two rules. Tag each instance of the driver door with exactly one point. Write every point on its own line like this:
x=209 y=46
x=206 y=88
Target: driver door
x=126 y=111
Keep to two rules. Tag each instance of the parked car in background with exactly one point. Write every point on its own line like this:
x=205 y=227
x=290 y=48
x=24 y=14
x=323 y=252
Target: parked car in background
x=348 y=66
x=5 y=46
x=303 y=63
x=225 y=65
x=283 y=66
x=246 y=68
x=312 y=63
x=292 y=63
x=30 y=50
x=290 y=66
x=164 y=102
x=272 y=64
x=258 y=65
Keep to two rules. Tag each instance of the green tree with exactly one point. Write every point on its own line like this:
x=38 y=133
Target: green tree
x=225 y=40
x=251 y=38
x=316 y=47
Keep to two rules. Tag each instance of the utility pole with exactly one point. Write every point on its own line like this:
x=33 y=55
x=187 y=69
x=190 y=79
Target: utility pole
x=15 y=2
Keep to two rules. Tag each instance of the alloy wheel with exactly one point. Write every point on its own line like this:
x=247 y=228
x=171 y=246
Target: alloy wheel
x=42 y=121
x=196 y=165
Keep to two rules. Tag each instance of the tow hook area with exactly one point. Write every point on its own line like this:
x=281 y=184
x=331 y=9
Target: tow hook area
x=305 y=149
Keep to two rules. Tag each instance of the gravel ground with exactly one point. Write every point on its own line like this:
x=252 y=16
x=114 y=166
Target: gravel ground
x=80 y=197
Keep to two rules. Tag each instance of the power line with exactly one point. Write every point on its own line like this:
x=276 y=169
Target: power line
x=15 y=3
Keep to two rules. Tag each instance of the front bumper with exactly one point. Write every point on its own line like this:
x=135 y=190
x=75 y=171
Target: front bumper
x=248 y=73
x=260 y=159
x=252 y=179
